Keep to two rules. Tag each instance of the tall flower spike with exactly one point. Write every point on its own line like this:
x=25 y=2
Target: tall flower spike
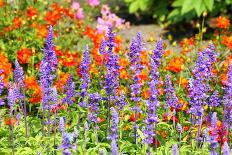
x=18 y=74
x=114 y=127
x=93 y=107
x=171 y=98
x=214 y=100
x=226 y=149
x=70 y=91
x=214 y=135
x=175 y=149
x=49 y=53
x=1 y=87
x=11 y=97
x=114 y=147
x=84 y=66
x=62 y=125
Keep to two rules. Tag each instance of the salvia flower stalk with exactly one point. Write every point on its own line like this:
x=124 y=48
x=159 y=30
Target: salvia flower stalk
x=175 y=149
x=48 y=67
x=70 y=91
x=134 y=54
x=19 y=81
x=114 y=132
x=84 y=66
x=214 y=135
x=11 y=103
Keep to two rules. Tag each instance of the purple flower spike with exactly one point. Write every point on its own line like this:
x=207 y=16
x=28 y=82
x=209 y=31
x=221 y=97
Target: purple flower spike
x=214 y=100
x=85 y=80
x=114 y=147
x=94 y=100
x=49 y=53
x=226 y=149
x=18 y=74
x=70 y=91
x=213 y=137
x=175 y=149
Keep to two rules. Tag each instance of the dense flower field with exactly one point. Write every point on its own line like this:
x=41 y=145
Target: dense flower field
x=72 y=87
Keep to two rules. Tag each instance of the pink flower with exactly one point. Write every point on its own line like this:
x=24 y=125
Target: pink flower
x=79 y=14
x=93 y=2
x=75 y=5
x=105 y=9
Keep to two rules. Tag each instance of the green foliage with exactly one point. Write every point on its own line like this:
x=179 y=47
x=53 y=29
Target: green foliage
x=177 y=10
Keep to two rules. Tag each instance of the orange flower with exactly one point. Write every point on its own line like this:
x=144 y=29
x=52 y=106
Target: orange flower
x=175 y=65
x=145 y=94
x=42 y=31
x=32 y=12
x=63 y=77
x=143 y=76
x=167 y=52
x=23 y=55
x=5 y=65
x=123 y=62
x=17 y=22
x=183 y=82
x=144 y=57
x=31 y=84
x=10 y=121
x=124 y=74
x=223 y=22
x=227 y=41
x=2 y=4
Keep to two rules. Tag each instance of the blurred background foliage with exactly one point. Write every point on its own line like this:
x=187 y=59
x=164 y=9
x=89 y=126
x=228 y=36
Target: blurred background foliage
x=166 y=12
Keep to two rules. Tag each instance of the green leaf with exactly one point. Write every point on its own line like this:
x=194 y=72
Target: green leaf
x=143 y=5
x=187 y=6
x=134 y=6
x=177 y=3
x=199 y=6
x=174 y=13
x=209 y=4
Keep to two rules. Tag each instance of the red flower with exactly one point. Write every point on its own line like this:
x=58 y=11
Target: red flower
x=32 y=12
x=23 y=55
x=223 y=22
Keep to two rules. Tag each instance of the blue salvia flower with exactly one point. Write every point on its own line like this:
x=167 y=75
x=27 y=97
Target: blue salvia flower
x=67 y=139
x=84 y=66
x=152 y=118
x=158 y=53
x=49 y=53
x=18 y=75
x=112 y=66
x=175 y=149
x=62 y=125
x=153 y=102
x=226 y=149
x=179 y=128
x=214 y=100
x=93 y=106
x=213 y=137
x=102 y=47
x=114 y=127
x=227 y=100
x=18 y=117
x=121 y=103
x=135 y=66
x=11 y=98
x=114 y=147
x=110 y=40
x=101 y=151
x=171 y=98
x=70 y=91
x=46 y=81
